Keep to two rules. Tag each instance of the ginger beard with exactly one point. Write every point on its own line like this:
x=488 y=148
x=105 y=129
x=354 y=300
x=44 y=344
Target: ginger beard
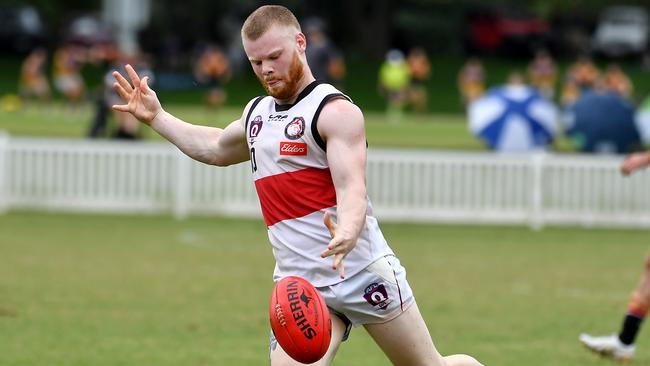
x=289 y=82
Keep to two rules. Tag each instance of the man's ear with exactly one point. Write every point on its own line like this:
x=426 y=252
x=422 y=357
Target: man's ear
x=301 y=42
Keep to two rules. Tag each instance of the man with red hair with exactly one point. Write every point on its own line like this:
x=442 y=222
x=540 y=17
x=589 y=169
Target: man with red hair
x=307 y=147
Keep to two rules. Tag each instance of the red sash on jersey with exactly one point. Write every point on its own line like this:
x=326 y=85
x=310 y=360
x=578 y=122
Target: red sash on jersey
x=295 y=194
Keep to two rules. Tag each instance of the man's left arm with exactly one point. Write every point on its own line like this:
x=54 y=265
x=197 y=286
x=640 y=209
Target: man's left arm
x=341 y=125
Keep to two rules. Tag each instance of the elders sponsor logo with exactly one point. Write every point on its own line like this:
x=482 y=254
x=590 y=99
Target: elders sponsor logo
x=293 y=148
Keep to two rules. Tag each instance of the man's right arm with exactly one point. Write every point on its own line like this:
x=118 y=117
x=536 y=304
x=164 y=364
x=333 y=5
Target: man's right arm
x=209 y=145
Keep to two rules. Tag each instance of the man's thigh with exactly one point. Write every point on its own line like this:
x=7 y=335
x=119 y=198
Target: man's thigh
x=406 y=339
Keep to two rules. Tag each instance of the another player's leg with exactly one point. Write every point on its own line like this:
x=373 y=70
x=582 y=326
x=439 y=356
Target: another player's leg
x=621 y=347
x=406 y=341
x=281 y=358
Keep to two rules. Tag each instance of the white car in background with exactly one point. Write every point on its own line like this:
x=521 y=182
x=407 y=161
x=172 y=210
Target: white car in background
x=622 y=31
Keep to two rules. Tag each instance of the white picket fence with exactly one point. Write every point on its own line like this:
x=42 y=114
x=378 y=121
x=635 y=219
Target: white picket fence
x=425 y=186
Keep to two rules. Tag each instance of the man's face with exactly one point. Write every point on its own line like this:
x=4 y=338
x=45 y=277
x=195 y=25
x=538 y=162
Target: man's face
x=275 y=58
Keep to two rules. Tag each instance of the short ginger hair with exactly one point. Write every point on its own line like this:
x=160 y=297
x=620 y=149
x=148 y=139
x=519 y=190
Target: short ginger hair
x=266 y=16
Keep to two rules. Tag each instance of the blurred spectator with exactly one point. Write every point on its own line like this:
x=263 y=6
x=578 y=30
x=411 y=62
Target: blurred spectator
x=325 y=60
x=616 y=80
x=570 y=92
x=516 y=79
x=33 y=81
x=582 y=76
x=127 y=127
x=212 y=71
x=542 y=73
x=420 y=68
x=67 y=63
x=394 y=80
x=471 y=80
x=584 y=73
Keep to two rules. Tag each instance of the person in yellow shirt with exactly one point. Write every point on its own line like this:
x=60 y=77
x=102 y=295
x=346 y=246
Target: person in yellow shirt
x=394 y=80
x=420 y=69
x=542 y=73
x=68 y=61
x=33 y=82
x=615 y=79
x=583 y=75
x=471 y=80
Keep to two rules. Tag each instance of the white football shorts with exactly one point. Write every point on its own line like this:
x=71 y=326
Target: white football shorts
x=377 y=294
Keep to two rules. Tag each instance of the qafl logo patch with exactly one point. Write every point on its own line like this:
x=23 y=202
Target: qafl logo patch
x=295 y=129
x=255 y=126
x=377 y=296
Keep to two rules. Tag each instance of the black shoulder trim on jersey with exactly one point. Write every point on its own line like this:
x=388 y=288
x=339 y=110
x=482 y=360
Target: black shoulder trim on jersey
x=308 y=89
x=250 y=111
x=314 y=123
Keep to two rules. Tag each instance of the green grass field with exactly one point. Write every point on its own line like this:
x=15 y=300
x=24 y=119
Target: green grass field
x=150 y=290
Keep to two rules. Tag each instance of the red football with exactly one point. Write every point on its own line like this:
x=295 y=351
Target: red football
x=300 y=319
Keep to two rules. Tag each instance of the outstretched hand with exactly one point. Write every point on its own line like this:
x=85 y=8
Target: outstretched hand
x=339 y=247
x=634 y=162
x=141 y=100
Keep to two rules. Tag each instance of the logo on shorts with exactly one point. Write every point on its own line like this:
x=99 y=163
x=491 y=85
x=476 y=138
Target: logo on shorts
x=295 y=129
x=377 y=296
x=255 y=127
x=293 y=148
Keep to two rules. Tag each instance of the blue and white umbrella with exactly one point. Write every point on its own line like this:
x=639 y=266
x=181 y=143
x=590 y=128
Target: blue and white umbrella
x=514 y=118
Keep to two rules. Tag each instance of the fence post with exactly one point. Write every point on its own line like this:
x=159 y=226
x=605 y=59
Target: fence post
x=536 y=219
x=182 y=187
x=4 y=176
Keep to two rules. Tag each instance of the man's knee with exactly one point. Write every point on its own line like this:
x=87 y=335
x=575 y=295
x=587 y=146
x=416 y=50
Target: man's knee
x=461 y=360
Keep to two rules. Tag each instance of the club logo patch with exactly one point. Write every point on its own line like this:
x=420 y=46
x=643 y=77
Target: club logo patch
x=293 y=148
x=295 y=129
x=255 y=126
x=377 y=296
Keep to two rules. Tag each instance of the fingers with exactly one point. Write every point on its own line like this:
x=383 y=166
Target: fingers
x=331 y=248
x=144 y=85
x=338 y=263
x=334 y=247
x=122 y=82
x=625 y=170
x=329 y=223
x=135 y=79
x=120 y=90
x=121 y=107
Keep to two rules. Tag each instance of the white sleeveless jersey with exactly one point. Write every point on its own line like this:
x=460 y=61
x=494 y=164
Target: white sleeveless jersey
x=295 y=188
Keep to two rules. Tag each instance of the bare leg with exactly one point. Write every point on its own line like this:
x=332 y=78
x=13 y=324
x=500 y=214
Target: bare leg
x=461 y=360
x=281 y=358
x=642 y=291
x=621 y=347
x=406 y=341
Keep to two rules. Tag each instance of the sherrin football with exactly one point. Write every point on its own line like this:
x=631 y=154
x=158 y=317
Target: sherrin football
x=300 y=319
